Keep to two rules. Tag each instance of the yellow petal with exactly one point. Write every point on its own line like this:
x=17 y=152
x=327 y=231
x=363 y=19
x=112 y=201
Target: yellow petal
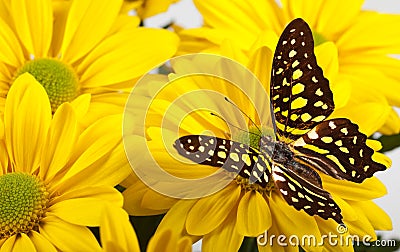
x=225 y=237
x=68 y=237
x=357 y=38
x=153 y=7
x=253 y=215
x=41 y=243
x=97 y=110
x=26 y=134
x=377 y=114
x=81 y=105
x=22 y=243
x=60 y=141
x=93 y=149
x=83 y=207
x=325 y=17
x=11 y=52
x=330 y=227
x=379 y=219
x=269 y=241
x=9 y=243
x=175 y=217
x=347 y=210
x=133 y=197
x=185 y=244
x=327 y=57
x=115 y=61
x=260 y=65
x=155 y=200
x=82 y=31
x=392 y=124
x=244 y=18
x=361 y=226
x=371 y=188
x=116 y=232
x=167 y=240
x=289 y=221
x=213 y=210
x=34 y=24
x=364 y=78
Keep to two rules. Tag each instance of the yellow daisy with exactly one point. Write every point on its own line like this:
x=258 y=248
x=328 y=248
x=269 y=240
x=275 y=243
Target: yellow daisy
x=198 y=199
x=364 y=40
x=147 y=8
x=65 y=47
x=55 y=178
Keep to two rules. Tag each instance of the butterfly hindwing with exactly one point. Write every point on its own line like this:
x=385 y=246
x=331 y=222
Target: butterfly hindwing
x=229 y=155
x=300 y=93
x=305 y=194
x=337 y=148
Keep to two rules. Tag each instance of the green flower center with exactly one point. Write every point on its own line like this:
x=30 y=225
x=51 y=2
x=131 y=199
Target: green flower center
x=319 y=39
x=59 y=80
x=252 y=138
x=23 y=203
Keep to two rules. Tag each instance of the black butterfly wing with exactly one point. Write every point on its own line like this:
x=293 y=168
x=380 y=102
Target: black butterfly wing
x=232 y=156
x=306 y=194
x=337 y=148
x=300 y=93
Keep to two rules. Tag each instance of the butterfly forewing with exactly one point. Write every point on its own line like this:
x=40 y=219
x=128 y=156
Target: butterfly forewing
x=300 y=93
x=230 y=155
x=337 y=148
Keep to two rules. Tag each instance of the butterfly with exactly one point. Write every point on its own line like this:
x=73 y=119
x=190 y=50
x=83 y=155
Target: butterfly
x=306 y=140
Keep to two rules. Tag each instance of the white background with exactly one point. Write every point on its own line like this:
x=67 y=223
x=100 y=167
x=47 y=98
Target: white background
x=185 y=14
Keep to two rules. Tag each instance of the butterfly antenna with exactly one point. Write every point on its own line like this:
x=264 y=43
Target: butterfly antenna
x=251 y=120
x=230 y=124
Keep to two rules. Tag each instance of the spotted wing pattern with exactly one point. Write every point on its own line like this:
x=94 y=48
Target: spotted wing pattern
x=337 y=148
x=301 y=100
x=229 y=155
x=300 y=93
x=305 y=194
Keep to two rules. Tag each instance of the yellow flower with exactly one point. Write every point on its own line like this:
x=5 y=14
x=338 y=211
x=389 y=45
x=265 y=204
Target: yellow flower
x=65 y=47
x=198 y=199
x=147 y=8
x=55 y=178
x=364 y=41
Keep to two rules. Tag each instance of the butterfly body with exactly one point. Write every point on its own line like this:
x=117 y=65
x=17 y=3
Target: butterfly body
x=307 y=142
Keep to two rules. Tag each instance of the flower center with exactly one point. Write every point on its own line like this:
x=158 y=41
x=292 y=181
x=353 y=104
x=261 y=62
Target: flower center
x=59 y=79
x=23 y=203
x=319 y=39
x=252 y=138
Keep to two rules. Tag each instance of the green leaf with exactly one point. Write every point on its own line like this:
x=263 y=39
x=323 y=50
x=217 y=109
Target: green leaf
x=389 y=142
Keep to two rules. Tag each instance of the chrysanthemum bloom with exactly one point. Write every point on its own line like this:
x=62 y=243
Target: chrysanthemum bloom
x=147 y=8
x=364 y=40
x=224 y=217
x=55 y=179
x=78 y=47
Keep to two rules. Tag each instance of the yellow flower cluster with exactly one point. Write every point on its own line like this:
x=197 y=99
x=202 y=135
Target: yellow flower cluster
x=90 y=133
